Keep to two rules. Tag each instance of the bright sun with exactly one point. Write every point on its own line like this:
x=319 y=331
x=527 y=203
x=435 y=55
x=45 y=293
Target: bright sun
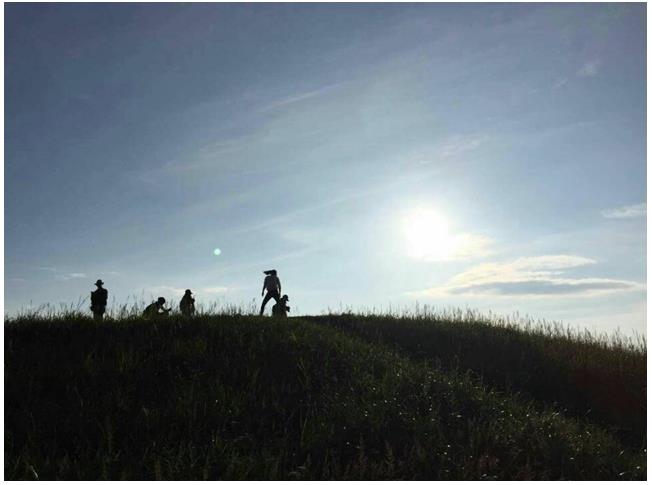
x=427 y=235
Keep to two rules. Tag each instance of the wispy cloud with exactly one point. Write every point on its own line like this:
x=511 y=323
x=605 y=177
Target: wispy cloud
x=450 y=149
x=626 y=212
x=559 y=83
x=71 y=276
x=590 y=68
x=84 y=97
x=335 y=200
x=49 y=269
x=296 y=98
x=459 y=144
x=61 y=275
x=539 y=276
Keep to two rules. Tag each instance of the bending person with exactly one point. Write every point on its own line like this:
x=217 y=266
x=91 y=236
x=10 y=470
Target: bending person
x=273 y=286
x=156 y=309
x=280 y=310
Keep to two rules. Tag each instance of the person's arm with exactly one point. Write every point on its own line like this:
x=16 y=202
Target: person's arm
x=262 y=292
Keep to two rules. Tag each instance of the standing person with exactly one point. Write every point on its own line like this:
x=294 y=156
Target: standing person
x=99 y=298
x=187 y=304
x=281 y=309
x=156 y=309
x=273 y=286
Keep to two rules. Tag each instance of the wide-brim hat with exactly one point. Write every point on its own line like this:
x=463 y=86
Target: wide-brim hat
x=188 y=292
x=270 y=271
x=99 y=282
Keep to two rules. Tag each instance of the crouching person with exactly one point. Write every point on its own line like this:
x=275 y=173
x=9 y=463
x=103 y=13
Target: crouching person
x=156 y=309
x=280 y=309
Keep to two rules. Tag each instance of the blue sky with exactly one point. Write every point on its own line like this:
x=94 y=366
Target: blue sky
x=489 y=156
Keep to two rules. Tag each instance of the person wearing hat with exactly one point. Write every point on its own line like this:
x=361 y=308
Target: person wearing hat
x=281 y=309
x=156 y=309
x=273 y=286
x=99 y=298
x=187 y=304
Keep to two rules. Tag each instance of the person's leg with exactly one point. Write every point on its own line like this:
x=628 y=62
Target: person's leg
x=268 y=296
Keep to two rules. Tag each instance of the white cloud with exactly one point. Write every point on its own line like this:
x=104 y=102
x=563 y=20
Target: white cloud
x=590 y=68
x=540 y=276
x=626 y=212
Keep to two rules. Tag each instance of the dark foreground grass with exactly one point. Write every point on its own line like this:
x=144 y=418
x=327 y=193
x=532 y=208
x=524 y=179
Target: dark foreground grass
x=600 y=378
x=249 y=398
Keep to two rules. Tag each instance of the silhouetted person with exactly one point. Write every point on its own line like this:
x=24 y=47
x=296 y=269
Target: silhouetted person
x=187 y=304
x=99 y=298
x=273 y=286
x=280 y=309
x=156 y=309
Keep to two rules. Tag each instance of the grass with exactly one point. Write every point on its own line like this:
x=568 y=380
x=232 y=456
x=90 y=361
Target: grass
x=242 y=397
x=601 y=378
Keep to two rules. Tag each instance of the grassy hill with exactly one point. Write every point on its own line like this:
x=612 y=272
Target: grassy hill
x=336 y=397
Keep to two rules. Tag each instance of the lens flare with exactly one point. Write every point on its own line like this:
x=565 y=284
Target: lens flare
x=217 y=251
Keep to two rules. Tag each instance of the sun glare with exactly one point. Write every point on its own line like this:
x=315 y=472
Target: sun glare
x=427 y=236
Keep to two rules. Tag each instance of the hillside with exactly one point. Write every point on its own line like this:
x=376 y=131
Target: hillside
x=338 y=397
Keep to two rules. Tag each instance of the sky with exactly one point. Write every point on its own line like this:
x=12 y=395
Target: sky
x=484 y=156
